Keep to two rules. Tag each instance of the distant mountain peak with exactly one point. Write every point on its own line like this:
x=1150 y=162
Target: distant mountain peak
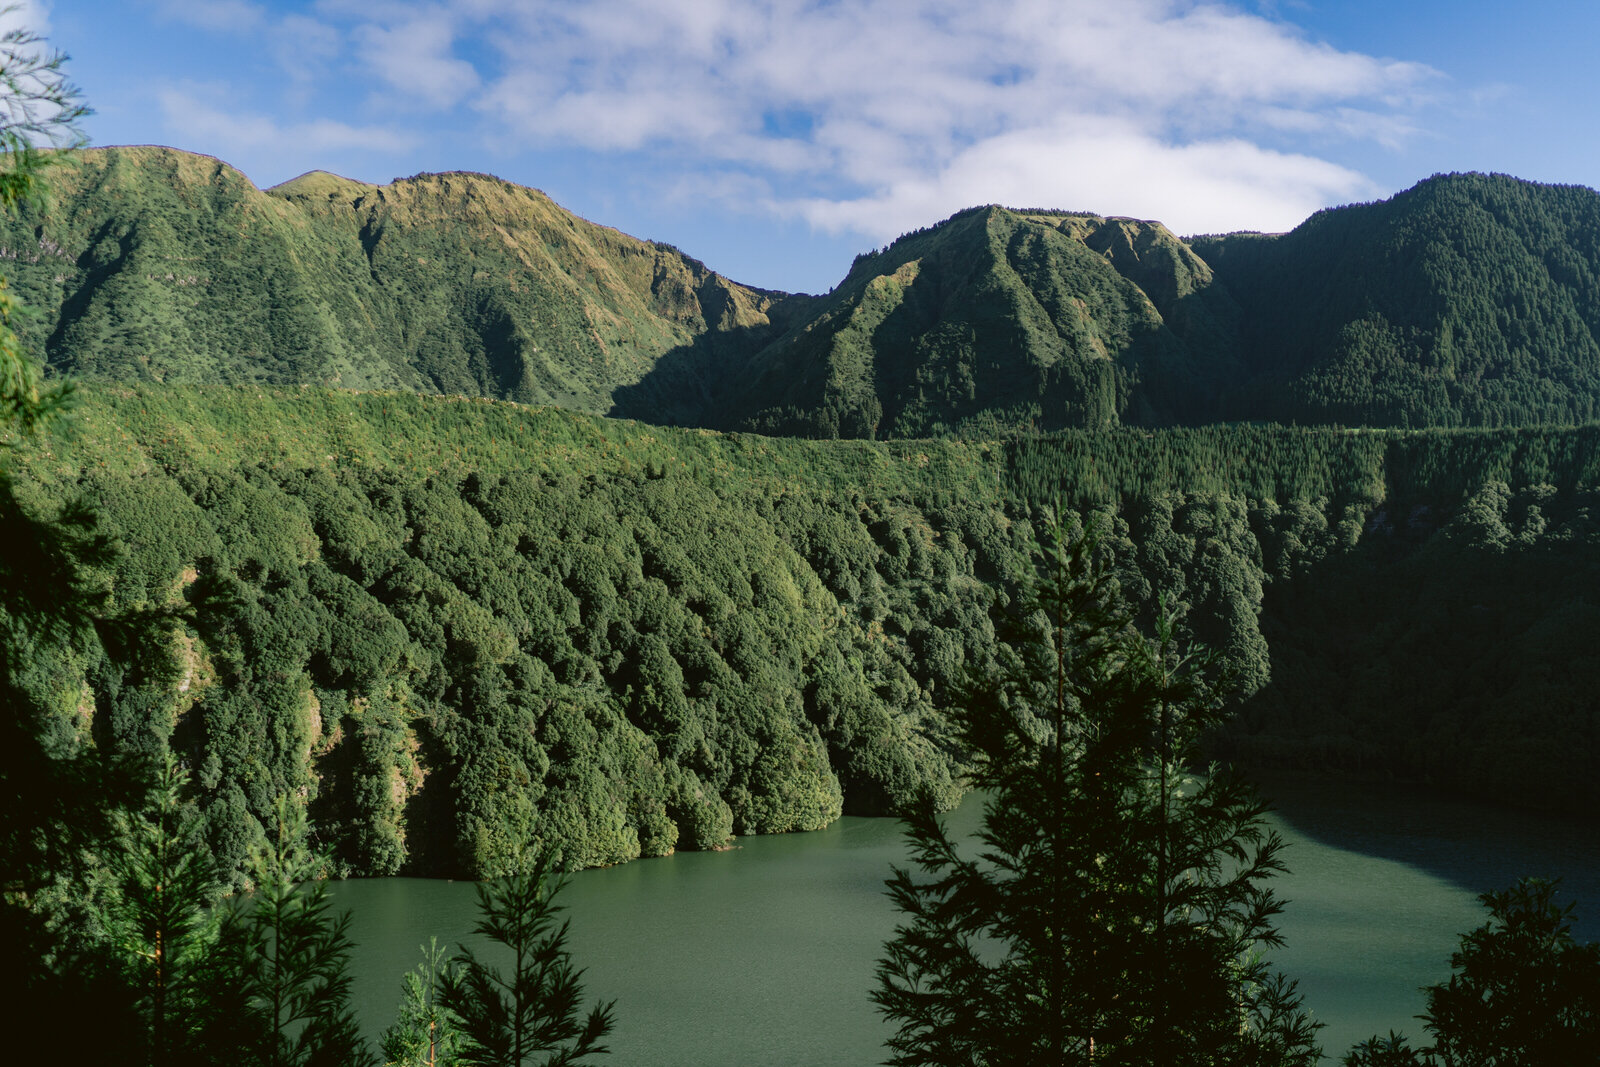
x=318 y=183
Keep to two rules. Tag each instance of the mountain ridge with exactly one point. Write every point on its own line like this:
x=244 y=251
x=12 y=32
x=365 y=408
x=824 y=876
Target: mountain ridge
x=444 y=283
x=987 y=321
x=1465 y=300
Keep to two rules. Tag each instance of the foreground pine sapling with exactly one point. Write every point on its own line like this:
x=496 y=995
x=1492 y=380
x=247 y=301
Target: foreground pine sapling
x=507 y=1020
x=425 y=1033
x=162 y=917
x=287 y=963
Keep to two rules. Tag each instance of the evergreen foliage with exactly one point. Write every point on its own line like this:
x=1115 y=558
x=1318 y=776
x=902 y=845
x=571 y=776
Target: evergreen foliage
x=1387 y=663
x=425 y=1033
x=504 y=1020
x=159 y=265
x=285 y=964
x=998 y=321
x=426 y=634
x=445 y=627
x=59 y=793
x=162 y=922
x=46 y=598
x=1466 y=301
x=1522 y=991
x=1115 y=910
x=43 y=110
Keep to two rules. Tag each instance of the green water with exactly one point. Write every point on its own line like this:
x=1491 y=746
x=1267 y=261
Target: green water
x=764 y=954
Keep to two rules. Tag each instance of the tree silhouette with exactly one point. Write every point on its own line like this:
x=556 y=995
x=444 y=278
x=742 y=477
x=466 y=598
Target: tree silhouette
x=506 y=1020
x=1115 y=911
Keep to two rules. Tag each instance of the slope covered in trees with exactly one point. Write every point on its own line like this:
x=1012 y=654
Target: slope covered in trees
x=450 y=626
x=1468 y=300
x=585 y=640
x=159 y=265
x=998 y=321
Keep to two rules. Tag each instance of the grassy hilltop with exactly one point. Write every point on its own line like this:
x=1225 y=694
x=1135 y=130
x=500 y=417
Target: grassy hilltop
x=159 y=265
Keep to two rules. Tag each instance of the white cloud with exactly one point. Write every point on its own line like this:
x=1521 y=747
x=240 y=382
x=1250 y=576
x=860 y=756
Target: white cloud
x=305 y=48
x=251 y=140
x=872 y=109
x=31 y=15
x=412 y=56
x=224 y=16
x=929 y=67
x=1104 y=167
x=870 y=115
x=38 y=86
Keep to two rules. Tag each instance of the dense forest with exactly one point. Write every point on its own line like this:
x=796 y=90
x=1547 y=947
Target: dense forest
x=449 y=626
x=1470 y=300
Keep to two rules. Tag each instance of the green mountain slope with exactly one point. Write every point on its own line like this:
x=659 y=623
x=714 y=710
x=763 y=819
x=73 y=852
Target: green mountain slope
x=1468 y=300
x=998 y=321
x=161 y=265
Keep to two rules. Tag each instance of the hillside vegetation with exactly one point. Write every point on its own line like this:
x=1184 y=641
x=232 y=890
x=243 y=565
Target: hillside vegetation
x=1468 y=300
x=451 y=626
x=448 y=625
x=996 y=321
x=159 y=265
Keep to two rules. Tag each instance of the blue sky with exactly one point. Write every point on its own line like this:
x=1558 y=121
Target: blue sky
x=776 y=140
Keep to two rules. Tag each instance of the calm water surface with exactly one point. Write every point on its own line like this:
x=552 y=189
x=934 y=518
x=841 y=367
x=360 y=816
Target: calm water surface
x=764 y=954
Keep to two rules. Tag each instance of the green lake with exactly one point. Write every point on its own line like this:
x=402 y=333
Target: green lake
x=764 y=954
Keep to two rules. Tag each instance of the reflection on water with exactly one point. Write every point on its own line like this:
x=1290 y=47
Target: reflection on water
x=764 y=954
x=1384 y=880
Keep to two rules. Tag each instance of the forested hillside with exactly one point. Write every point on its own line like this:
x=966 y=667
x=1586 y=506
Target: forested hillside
x=450 y=626
x=529 y=626
x=158 y=265
x=996 y=321
x=1469 y=300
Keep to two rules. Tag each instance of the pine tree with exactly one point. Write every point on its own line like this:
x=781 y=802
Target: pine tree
x=57 y=794
x=1522 y=990
x=39 y=110
x=425 y=1034
x=507 y=1020
x=1115 y=911
x=285 y=967
x=161 y=918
